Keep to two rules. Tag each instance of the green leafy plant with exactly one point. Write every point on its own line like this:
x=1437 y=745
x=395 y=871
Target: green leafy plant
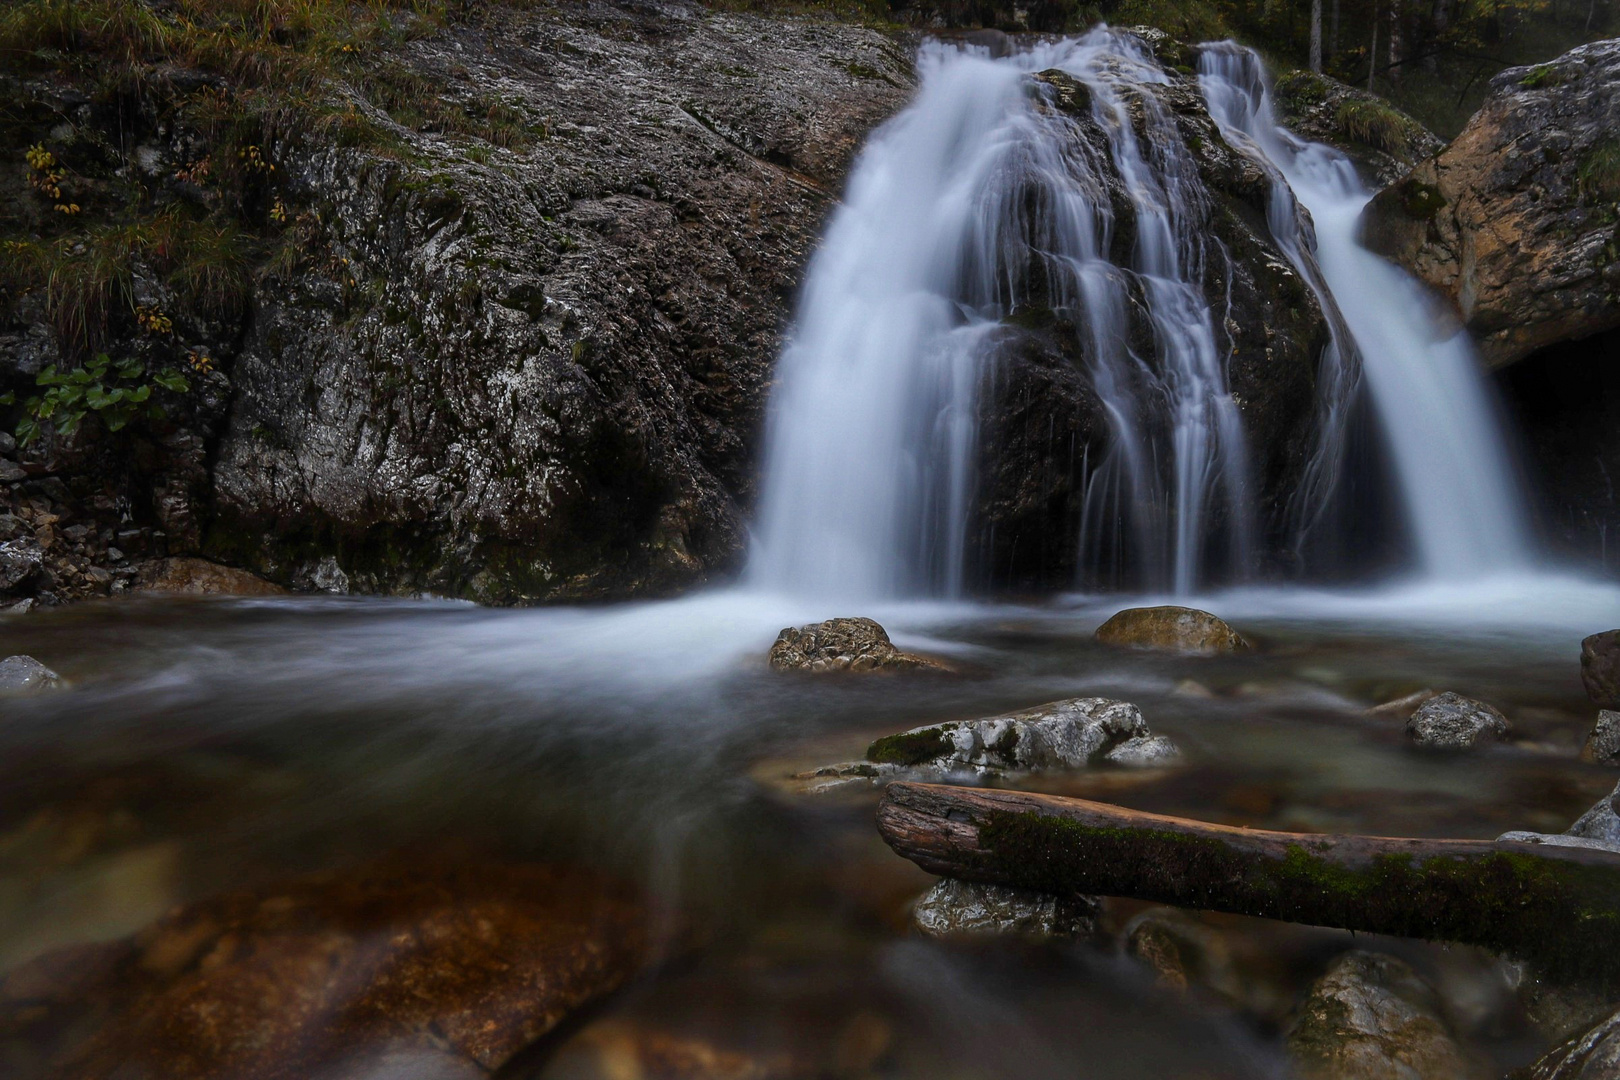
x=117 y=393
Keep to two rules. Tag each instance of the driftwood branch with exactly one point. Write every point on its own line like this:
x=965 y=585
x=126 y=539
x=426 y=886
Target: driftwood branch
x=1559 y=906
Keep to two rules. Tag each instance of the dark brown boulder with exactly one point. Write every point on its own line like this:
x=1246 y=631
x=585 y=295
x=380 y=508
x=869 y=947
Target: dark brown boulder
x=1171 y=629
x=441 y=970
x=1513 y=222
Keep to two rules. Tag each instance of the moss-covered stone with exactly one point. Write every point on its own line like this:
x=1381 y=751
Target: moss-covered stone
x=910 y=748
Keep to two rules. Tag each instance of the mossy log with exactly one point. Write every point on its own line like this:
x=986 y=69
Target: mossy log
x=1559 y=906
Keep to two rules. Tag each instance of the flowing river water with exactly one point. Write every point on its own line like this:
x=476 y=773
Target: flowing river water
x=214 y=744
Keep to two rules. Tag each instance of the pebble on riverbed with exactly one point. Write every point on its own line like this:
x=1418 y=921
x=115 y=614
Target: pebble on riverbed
x=1069 y=734
x=1453 y=722
x=24 y=675
x=967 y=907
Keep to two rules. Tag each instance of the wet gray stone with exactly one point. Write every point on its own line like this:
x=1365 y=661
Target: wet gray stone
x=1453 y=722
x=25 y=675
x=966 y=907
x=1603 y=744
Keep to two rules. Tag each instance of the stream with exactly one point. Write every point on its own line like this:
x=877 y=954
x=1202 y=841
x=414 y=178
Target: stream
x=214 y=744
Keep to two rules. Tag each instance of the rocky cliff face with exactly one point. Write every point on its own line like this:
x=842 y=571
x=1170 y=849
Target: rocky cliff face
x=1517 y=225
x=1517 y=221
x=546 y=374
x=516 y=349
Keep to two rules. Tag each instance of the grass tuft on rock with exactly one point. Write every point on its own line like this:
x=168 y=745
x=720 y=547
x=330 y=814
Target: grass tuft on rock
x=1375 y=124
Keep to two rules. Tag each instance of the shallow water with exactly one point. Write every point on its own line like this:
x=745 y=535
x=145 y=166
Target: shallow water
x=215 y=744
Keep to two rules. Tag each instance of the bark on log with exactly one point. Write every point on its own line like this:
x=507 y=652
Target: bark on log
x=1559 y=906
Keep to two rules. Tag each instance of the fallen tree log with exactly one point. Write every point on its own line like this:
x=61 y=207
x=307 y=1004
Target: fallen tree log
x=1558 y=906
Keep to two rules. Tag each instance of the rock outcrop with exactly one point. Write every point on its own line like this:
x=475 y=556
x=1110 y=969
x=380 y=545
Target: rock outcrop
x=1171 y=629
x=1452 y=722
x=1514 y=222
x=446 y=970
x=1383 y=141
x=512 y=359
x=1370 y=1017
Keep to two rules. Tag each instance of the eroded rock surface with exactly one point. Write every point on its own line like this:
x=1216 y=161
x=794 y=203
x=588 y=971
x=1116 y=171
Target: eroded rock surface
x=1370 y=1017
x=966 y=907
x=1514 y=222
x=1171 y=629
x=843 y=645
x=455 y=968
x=1450 y=721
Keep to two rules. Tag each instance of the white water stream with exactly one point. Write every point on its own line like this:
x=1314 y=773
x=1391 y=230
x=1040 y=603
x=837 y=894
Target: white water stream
x=869 y=479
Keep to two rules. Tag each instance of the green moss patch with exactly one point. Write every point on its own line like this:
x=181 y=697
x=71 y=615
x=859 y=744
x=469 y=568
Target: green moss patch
x=1599 y=172
x=910 y=748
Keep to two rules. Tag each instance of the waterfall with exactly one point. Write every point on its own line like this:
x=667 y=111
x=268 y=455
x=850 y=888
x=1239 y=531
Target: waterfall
x=1456 y=483
x=982 y=202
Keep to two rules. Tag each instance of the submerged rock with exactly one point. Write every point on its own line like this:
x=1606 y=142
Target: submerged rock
x=1513 y=221
x=967 y=907
x=1603 y=744
x=1371 y=1017
x=199 y=576
x=25 y=675
x=1452 y=722
x=339 y=974
x=852 y=645
x=1600 y=668
x=1591 y=1055
x=1172 y=629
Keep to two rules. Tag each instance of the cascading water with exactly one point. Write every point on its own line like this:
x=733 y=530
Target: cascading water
x=981 y=201
x=971 y=203
x=1456 y=482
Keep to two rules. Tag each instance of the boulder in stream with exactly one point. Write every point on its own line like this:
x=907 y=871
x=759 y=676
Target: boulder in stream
x=25 y=675
x=844 y=645
x=1452 y=722
x=1371 y=1017
x=1600 y=668
x=1171 y=629
x=394 y=968
x=954 y=907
